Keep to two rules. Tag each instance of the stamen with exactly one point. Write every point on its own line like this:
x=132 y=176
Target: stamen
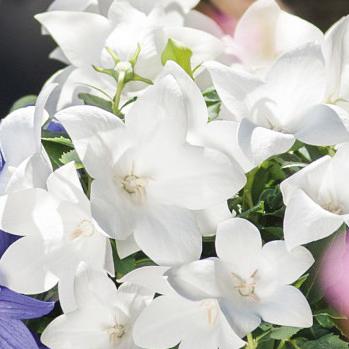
x=84 y=229
x=116 y=333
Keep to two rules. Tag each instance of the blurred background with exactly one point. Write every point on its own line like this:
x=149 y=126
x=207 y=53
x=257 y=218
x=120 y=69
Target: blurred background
x=24 y=62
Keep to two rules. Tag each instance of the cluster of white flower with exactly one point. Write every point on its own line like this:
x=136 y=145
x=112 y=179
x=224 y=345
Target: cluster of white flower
x=161 y=171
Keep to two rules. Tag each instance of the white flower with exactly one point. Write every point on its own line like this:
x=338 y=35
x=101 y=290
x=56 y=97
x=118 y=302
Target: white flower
x=250 y=282
x=24 y=162
x=288 y=104
x=147 y=179
x=336 y=52
x=316 y=199
x=83 y=37
x=172 y=319
x=265 y=32
x=58 y=234
x=104 y=318
x=102 y=6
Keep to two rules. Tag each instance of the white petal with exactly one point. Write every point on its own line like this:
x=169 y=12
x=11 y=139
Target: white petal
x=197 y=179
x=23 y=267
x=305 y=221
x=296 y=82
x=112 y=210
x=336 y=54
x=80 y=329
x=322 y=126
x=198 y=20
x=169 y=320
x=17 y=136
x=259 y=143
x=146 y=113
x=80 y=35
x=309 y=178
x=95 y=134
x=31 y=173
x=67 y=5
x=168 y=235
x=93 y=288
x=65 y=185
x=127 y=247
x=283 y=266
x=286 y=307
x=265 y=31
x=195 y=281
x=222 y=136
x=203 y=45
x=40 y=115
x=37 y=213
x=209 y=219
x=196 y=110
x=242 y=319
x=151 y=277
x=104 y=6
x=233 y=86
x=239 y=243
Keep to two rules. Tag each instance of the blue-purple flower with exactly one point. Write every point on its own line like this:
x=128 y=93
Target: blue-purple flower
x=14 y=308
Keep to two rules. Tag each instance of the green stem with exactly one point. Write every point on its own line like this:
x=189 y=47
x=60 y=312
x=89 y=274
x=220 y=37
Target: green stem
x=247 y=194
x=281 y=345
x=294 y=344
x=117 y=97
x=251 y=343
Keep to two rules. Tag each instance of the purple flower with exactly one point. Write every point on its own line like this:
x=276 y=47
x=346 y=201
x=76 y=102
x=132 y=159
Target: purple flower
x=6 y=240
x=55 y=127
x=14 y=308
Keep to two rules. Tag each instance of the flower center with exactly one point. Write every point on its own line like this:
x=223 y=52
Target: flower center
x=333 y=207
x=246 y=288
x=116 y=333
x=212 y=310
x=134 y=186
x=84 y=229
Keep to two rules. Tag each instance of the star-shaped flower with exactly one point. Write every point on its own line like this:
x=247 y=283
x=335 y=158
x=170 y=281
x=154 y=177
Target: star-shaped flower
x=58 y=234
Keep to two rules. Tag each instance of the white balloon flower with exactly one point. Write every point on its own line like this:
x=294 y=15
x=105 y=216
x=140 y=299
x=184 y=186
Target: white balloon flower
x=83 y=38
x=104 y=317
x=148 y=180
x=58 y=232
x=265 y=32
x=316 y=199
x=171 y=319
x=250 y=282
x=287 y=105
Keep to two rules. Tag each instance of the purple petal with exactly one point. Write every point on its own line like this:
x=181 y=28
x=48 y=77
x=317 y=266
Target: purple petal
x=16 y=306
x=14 y=335
x=2 y=161
x=6 y=240
x=56 y=127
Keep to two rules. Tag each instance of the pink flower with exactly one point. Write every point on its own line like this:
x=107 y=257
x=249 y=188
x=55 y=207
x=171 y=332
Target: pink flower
x=334 y=275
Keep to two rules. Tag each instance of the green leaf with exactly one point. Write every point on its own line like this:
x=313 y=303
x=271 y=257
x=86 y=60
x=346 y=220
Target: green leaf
x=23 y=102
x=211 y=96
x=213 y=111
x=122 y=266
x=284 y=332
x=175 y=51
x=59 y=140
x=329 y=341
x=55 y=148
x=69 y=156
x=96 y=101
x=326 y=318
